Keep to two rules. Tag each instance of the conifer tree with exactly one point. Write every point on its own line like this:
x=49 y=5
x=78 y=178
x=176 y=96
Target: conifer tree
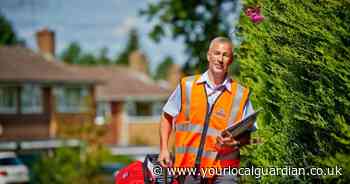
x=7 y=34
x=297 y=63
x=163 y=68
x=132 y=45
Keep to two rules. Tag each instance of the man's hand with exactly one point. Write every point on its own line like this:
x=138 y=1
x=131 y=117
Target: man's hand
x=165 y=130
x=164 y=158
x=227 y=140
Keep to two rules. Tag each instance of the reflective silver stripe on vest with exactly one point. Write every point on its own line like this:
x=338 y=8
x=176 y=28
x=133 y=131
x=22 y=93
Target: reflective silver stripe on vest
x=195 y=128
x=206 y=154
x=188 y=90
x=235 y=104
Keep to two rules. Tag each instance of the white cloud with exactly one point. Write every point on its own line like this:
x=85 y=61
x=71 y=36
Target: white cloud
x=124 y=28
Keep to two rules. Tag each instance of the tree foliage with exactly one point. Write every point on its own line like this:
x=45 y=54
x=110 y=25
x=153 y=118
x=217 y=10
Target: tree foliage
x=132 y=45
x=297 y=63
x=196 y=21
x=82 y=164
x=103 y=56
x=163 y=68
x=7 y=34
x=73 y=54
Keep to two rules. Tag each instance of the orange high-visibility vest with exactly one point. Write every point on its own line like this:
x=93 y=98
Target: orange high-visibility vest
x=194 y=114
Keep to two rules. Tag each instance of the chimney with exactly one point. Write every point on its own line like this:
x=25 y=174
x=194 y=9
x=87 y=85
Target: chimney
x=45 y=40
x=138 y=62
x=174 y=75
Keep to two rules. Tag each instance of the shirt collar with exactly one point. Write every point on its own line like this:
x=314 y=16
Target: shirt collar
x=204 y=78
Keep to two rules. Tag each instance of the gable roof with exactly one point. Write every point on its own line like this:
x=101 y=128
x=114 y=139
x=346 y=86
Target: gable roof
x=122 y=83
x=20 y=64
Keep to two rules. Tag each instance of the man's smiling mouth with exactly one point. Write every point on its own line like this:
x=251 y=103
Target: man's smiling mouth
x=219 y=66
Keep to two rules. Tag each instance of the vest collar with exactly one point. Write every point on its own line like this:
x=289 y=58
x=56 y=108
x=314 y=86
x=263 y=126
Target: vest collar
x=204 y=78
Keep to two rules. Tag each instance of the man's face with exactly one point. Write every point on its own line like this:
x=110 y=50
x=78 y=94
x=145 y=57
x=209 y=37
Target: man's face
x=220 y=57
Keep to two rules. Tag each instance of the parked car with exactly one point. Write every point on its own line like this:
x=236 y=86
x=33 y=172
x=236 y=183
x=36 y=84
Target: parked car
x=12 y=170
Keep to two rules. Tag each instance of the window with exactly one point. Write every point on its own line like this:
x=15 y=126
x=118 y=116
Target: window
x=139 y=108
x=144 y=108
x=31 y=99
x=103 y=112
x=72 y=99
x=8 y=99
x=130 y=108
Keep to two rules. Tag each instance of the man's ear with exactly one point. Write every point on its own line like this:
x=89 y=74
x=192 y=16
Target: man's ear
x=232 y=58
x=231 y=61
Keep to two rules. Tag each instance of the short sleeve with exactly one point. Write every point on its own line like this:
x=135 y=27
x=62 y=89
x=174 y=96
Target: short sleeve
x=173 y=105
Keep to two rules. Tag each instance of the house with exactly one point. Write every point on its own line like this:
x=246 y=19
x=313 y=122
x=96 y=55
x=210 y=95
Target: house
x=42 y=98
x=37 y=92
x=129 y=103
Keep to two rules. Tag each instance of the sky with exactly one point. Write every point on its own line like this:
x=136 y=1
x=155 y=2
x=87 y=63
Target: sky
x=94 y=24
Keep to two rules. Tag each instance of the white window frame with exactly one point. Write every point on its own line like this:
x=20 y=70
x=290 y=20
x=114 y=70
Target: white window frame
x=61 y=99
x=103 y=112
x=9 y=110
x=130 y=109
x=35 y=97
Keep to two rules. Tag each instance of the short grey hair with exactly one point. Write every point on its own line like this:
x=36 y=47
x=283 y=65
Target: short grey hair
x=221 y=39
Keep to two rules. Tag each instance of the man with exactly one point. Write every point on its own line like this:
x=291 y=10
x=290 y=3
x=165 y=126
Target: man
x=200 y=108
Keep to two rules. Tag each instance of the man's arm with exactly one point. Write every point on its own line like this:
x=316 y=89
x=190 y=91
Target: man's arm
x=170 y=110
x=165 y=130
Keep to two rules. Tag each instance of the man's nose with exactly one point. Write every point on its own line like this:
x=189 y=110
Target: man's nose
x=221 y=58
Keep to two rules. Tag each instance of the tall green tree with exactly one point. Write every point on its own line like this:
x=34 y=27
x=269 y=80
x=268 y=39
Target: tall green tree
x=103 y=57
x=7 y=34
x=297 y=64
x=88 y=59
x=132 y=45
x=163 y=68
x=196 y=21
x=72 y=54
